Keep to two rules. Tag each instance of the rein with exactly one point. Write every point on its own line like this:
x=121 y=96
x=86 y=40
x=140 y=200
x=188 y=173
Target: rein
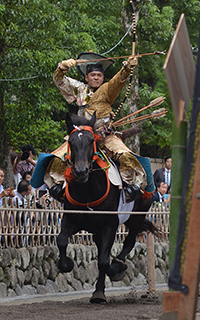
x=103 y=163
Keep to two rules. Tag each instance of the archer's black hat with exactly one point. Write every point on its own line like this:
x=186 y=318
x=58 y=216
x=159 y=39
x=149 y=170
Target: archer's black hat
x=94 y=67
x=85 y=68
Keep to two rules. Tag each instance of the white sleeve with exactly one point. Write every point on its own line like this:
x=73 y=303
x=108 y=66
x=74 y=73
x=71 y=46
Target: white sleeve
x=71 y=89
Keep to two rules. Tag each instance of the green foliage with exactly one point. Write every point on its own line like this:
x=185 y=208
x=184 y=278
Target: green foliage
x=156 y=131
x=36 y=34
x=34 y=37
x=191 y=10
x=155 y=30
x=154 y=33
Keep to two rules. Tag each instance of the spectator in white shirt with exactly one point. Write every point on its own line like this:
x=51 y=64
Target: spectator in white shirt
x=23 y=190
x=4 y=192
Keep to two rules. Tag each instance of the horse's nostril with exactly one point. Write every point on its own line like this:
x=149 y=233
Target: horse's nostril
x=81 y=173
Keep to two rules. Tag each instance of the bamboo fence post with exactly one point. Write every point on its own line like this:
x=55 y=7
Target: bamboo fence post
x=151 y=262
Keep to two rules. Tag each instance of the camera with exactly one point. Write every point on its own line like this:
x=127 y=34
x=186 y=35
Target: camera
x=48 y=201
x=25 y=155
x=42 y=193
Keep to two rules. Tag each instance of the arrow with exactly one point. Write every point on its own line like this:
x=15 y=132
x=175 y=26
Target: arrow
x=121 y=57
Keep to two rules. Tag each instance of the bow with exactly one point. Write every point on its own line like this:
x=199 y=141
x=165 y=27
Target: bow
x=133 y=54
x=134 y=27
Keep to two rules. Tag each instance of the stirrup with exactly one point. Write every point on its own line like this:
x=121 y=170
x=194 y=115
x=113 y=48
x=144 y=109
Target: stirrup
x=132 y=192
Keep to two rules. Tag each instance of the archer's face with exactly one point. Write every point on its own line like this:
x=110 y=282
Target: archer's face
x=94 y=79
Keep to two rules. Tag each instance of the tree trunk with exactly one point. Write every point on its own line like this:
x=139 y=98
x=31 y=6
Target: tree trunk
x=133 y=97
x=4 y=150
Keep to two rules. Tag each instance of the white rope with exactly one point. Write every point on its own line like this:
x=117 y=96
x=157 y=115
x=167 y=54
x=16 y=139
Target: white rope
x=19 y=79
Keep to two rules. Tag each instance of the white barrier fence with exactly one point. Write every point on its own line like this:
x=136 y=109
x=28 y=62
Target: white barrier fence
x=28 y=225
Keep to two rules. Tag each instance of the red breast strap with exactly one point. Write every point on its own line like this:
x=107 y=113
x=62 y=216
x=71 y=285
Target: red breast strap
x=101 y=163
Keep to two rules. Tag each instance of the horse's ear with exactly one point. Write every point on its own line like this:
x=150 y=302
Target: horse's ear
x=69 y=123
x=93 y=120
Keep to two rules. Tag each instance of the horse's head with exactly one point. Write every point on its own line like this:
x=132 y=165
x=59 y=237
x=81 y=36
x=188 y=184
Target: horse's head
x=81 y=142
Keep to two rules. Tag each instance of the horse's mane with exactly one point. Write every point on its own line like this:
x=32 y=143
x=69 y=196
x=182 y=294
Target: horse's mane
x=78 y=121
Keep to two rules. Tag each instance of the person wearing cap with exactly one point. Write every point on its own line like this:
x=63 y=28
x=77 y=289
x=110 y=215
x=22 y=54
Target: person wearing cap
x=94 y=95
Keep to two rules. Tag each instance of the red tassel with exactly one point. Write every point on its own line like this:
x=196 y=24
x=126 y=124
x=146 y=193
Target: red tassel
x=67 y=156
x=146 y=195
x=68 y=175
x=97 y=137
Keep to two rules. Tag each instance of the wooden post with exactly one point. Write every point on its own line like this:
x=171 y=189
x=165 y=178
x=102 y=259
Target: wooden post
x=179 y=69
x=171 y=302
x=179 y=149
x=188 y=302
x=151 y=262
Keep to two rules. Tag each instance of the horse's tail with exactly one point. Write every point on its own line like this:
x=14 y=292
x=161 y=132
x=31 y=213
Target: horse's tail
x=148 y=226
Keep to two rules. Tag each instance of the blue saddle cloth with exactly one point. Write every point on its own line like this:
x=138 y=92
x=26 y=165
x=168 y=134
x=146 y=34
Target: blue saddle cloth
x=145 y=162
x=45 y=158
x=40 y=168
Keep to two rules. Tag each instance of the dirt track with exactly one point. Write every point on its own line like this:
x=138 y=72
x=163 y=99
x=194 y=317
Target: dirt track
x=125 y=305
x=121 y=305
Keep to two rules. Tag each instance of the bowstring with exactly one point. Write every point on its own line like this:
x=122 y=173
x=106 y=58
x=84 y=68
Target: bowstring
x=132 y=68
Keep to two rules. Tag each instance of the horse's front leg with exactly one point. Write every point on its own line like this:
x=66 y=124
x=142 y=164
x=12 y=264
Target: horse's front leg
x=65 y=264
x=104 y=244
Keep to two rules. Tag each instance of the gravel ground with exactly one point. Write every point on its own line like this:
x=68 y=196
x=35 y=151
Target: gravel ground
x=121 y=304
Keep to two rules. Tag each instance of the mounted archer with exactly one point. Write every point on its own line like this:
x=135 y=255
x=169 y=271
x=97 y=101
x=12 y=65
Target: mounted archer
x=99 y=97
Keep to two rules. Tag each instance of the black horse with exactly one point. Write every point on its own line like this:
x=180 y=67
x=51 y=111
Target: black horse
x=91 y=190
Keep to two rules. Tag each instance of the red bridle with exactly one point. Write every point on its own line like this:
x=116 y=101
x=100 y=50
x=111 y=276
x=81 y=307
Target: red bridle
x=99 y=161
x=86 y=128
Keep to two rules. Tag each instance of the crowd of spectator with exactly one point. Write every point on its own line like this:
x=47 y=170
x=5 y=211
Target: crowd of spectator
x=23 y=165
x=162 y=180
x=21 y=193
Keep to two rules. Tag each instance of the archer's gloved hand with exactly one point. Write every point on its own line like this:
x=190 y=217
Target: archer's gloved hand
x=132 y=62
x=66 y=64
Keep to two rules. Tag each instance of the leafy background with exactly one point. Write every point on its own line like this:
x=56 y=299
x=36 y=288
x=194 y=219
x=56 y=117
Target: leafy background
x=36 y=34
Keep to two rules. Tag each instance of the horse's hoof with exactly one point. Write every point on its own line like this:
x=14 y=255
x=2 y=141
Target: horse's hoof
x=121 y=264
x=98 y=297
x=118 y=276
x=65 y=266
x=118 y=268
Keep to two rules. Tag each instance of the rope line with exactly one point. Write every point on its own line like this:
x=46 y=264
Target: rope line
x=19 y=79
